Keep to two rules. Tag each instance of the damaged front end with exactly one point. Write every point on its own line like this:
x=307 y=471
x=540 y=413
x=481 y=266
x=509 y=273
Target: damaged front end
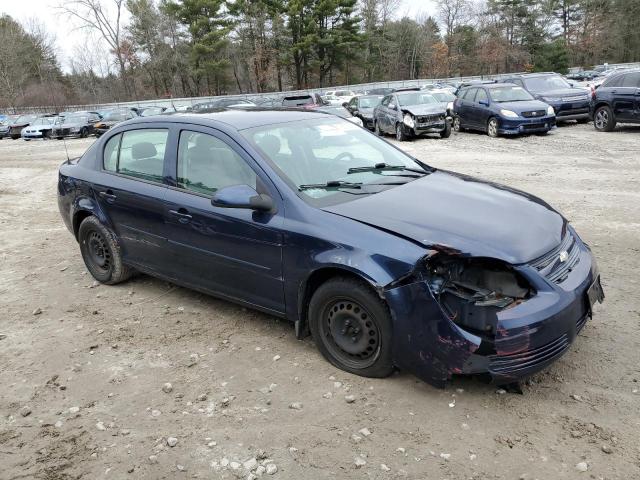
x=466 y=315
x=471 y=292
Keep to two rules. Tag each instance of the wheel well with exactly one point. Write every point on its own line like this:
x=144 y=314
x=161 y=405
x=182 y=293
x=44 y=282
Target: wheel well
x=77 y=220
x=600 y=104
x=308 y=288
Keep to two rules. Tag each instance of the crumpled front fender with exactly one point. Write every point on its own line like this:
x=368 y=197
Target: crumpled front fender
x=425 y=341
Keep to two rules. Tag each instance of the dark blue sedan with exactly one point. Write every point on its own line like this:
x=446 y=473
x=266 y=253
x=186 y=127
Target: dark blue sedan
x=385 y=261
x=501 y=109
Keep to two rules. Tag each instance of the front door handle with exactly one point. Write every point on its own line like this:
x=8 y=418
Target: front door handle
x=108 y=196
x=182 y=214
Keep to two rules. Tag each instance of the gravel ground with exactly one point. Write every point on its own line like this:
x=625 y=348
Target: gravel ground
x=84 y=366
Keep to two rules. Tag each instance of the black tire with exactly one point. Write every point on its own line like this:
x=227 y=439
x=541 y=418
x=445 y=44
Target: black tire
x=101 y=252
x=457 y=126
x=446 y=133
x=351 y=326
x=15 y=137
x=47 y=134
x=492 y=127
x=83 y=132
x=376 y=129
x=401 y=135
x=58 y=138
x=603 y=119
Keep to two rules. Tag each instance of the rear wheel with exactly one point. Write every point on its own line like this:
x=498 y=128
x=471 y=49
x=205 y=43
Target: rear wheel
x=351 y=327
x=401 y=135
x=492 y=127
x=603 y=119
x=101 y=252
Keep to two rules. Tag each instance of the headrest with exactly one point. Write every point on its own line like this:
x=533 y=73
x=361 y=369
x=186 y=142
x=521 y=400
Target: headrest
x=143 y=150
x=270 y=144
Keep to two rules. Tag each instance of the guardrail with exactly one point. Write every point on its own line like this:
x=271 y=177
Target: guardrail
x=190 y=101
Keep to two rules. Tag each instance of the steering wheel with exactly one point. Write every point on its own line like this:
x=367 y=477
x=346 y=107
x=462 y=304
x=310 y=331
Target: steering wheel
x=344 y=157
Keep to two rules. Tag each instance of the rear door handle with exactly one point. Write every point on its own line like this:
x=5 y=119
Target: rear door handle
x=108 y=196
x=182 y=214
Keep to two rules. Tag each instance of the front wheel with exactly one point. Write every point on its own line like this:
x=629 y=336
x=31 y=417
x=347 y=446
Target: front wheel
x=351 y=326
x=446 y=133
x=603 y=119
x=101 y=252
x=83 y=133
x=401 y=135
x=492 y=127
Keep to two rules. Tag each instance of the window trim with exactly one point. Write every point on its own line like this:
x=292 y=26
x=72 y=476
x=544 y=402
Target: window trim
x=143 y=126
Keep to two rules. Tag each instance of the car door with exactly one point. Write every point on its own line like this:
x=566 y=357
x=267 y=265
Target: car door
x=464 y=111
x=233 y=252
x=130 y=190
x=391 y=114
x=626 y=96
x=479 y=109
x=352 y=106
x=381 y=113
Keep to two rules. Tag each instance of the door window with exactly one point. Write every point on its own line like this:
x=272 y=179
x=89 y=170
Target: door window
x=481 y=96
x=470 y=94
x=631 y=80
x=207 y=164
x=386 y=101
x=137 y=153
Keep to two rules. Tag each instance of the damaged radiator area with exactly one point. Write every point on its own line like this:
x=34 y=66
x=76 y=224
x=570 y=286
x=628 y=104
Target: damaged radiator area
x=472 y=291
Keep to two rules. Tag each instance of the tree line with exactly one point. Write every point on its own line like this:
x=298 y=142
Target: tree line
x=138 y=49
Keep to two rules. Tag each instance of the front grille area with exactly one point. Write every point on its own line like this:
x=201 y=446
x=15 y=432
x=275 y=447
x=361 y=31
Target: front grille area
x=551 y=265
x=516 y=362
x=533 y=126
x=430 y=118
x=534 y=113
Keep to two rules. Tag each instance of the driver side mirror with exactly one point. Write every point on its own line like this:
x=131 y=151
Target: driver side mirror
x=484 y=102
x=242 y=196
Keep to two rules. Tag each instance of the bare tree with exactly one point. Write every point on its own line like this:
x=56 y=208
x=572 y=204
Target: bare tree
x=107 y=21
x=452 y=13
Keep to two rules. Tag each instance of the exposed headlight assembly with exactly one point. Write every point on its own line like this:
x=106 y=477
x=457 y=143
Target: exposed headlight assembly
x=409 y=121
x=508 y=113
x=551 y=111
x=472 y=291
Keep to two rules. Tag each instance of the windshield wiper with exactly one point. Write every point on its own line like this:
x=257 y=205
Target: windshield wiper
x=330 y=184
x=379 y=167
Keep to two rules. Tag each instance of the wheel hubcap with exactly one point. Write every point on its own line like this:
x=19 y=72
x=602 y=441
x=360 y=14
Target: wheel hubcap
x=351 y=332
x=492 y=128
x=98 y=251
x=602 y=118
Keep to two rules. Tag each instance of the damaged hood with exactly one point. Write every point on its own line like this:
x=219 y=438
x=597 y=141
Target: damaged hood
x=424 y=109
x=459 y=213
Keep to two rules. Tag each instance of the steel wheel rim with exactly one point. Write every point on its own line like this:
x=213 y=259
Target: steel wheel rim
x=98 y=251
x=350 y=333
x=602 y=118
x=493 y=128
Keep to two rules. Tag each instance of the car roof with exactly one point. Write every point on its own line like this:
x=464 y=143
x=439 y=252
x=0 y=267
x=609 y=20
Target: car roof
x=235 y=118
x=536 y=74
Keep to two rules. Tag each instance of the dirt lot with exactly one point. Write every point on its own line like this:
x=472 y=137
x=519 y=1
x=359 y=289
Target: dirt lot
x=89 y=362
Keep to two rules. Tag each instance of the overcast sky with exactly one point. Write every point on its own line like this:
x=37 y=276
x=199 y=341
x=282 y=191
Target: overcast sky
x=67 y=36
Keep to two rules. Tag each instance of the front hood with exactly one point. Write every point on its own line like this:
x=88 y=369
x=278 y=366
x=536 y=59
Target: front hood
x=424 y=109
x=449 y=211
x=563 y=92
x=527 y=106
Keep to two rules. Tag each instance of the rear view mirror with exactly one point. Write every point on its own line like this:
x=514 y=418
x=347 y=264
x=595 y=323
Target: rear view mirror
x=484 y=102
x=242 y=196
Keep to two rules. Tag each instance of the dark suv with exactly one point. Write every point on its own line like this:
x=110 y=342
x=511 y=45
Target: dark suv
x=568 y=101
x=617 y=100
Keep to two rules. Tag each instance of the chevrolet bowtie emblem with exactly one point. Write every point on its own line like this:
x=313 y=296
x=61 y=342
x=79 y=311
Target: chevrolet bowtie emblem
x=564 y=255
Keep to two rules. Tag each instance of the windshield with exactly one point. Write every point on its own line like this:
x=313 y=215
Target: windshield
x=25 y=119
x=76 y=119
x=115 y=116
x=546 y=83
x=444 y=96
x=42 y=121
x=369 y=102
x=415 y=98
x=319 y=151
x=509 y=94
